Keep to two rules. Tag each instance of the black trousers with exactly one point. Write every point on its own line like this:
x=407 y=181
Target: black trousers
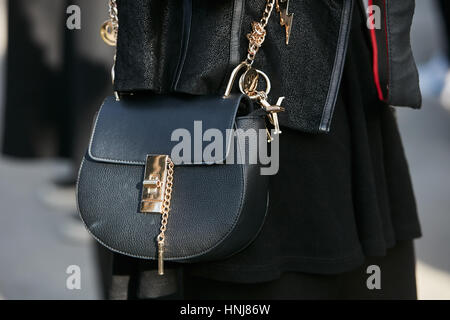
x=396 y=275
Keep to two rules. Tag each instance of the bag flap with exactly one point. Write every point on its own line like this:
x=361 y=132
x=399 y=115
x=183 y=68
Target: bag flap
x=126 y=131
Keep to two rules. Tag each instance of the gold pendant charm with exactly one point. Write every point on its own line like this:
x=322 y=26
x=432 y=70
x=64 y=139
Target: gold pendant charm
x=286 y=18
x=249 y=81
x=108 y=34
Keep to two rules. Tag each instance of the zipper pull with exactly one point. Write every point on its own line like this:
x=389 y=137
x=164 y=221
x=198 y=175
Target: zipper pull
x=161 y=258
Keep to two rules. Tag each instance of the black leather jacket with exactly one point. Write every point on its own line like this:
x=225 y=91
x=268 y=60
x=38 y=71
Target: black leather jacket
x=191 y=46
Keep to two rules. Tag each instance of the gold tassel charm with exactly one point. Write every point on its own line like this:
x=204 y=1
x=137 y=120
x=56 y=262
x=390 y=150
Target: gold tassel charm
x=161 y=258
x=156 y=196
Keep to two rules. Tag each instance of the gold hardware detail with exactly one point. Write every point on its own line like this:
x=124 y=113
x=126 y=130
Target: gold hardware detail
x=109 y=31
x=272 y=114
x=258 y=35
x=248 y=82
x=156 y=196
x=154 y=184
x=256 y=39
x=166 y=209
x=108 y=34
x=161 y=258
x=110 y=28
x=286 y=18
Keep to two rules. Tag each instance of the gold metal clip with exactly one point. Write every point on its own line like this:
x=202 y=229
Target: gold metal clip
x=154 y=184
x=272 y=113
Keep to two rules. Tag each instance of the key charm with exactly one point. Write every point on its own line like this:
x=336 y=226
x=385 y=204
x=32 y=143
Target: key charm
x=249 y=80
x=273 y=113
x=275 y=117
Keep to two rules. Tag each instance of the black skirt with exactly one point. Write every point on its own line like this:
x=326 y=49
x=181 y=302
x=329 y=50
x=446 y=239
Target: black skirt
x=396 y=281
x=337 y=199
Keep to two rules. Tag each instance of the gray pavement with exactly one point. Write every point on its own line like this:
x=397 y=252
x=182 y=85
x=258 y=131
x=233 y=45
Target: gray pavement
x=36 y=240
x=426 y=135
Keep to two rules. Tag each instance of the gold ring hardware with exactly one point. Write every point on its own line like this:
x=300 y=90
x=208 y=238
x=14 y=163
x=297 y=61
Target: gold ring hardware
x=109 y=33
x=248 y=83
x=156 y=196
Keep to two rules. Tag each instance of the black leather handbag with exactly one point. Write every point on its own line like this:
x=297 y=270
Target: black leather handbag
x=216 y=209
x=135 y=200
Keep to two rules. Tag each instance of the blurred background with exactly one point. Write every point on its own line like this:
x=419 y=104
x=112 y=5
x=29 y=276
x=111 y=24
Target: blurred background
x=57 y=78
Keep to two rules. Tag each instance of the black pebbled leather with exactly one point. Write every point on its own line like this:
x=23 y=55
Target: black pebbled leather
x=144 y=128
x=216 y=211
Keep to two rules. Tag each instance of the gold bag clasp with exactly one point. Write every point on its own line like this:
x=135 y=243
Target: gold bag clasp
x=154 y=184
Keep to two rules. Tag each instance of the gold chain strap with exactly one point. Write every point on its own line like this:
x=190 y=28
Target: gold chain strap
x=248 y=82
x=109 y=32
x=114 y=14
x=258 y=35
x=165 y=216
x=110 y=28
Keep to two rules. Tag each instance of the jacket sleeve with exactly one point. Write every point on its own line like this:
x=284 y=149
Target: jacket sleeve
x=395 y=72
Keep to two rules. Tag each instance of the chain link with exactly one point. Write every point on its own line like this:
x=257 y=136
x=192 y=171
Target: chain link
x=166 y=204
x=114 y=15
x=258 y=35
x=267 y=12
x=161 y=238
